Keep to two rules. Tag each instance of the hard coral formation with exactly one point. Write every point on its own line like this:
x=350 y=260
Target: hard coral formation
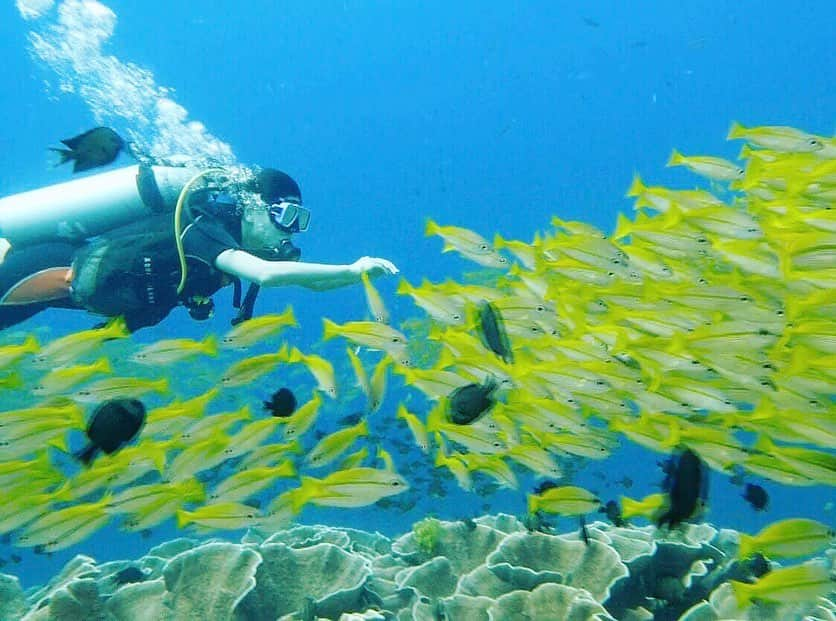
x=486 y=569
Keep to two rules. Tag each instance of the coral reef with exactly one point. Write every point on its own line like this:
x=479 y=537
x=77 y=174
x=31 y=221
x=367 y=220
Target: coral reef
x=475 y=570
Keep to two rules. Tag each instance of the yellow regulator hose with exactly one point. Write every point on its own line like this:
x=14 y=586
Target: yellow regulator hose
x=181 y=200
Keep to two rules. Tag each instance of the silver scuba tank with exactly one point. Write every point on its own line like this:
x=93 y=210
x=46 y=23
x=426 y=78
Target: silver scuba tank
x=91 y=205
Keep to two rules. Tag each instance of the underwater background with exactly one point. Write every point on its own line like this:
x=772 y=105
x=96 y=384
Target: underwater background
x=486 y=115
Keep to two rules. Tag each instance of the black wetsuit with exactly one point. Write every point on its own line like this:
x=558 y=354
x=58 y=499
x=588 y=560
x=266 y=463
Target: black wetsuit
x=203 y=240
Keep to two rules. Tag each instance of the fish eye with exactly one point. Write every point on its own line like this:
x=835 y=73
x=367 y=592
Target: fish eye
x=483 y=246
x=745 y=298
x=702 y=281
x=540 y=308
x=814 y=142
x=701 y=239
x=780 y=312
x=503 y=260
x=396 y=483
x=396 y=339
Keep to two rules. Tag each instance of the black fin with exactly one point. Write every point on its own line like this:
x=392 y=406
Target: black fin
x=87 y=454
x=66 y=155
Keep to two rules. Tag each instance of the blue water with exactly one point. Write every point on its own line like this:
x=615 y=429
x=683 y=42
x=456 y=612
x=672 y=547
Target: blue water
x=488 y=115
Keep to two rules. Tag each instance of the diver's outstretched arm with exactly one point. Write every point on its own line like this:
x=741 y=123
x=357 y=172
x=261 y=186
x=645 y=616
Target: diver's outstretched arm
x=318 y=276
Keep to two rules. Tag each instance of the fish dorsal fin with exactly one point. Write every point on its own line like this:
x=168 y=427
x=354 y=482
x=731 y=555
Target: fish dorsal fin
x=72 y=143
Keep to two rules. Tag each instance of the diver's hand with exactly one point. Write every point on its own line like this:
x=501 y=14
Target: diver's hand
x=373 y=266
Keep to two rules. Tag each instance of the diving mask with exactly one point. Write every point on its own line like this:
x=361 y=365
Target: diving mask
x=290 y=216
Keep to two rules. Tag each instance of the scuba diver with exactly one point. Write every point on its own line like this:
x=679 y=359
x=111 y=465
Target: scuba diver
x=139 y=241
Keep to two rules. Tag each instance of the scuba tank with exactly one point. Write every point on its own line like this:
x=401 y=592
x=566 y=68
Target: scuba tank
x=86 y=207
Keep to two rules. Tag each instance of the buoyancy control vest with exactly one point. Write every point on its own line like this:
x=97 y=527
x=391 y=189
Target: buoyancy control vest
x=134 y=271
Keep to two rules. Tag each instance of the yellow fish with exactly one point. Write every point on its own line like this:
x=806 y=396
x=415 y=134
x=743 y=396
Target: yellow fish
x=257 y=329
x=175 y=350
x=219 y=516
x=71 y=347
x=333 y=445
x=467 y=243
x=787 y=539
x=247 y=483
x=9 y=354
x=376 y=306
x=355 y=487
x=777 y=138
x=319 y=367
x=60 y=380
x=60 y=529
x=369 y=334
x=650 y=507
x=119 y=388
x=801 y=583
x=565 y=500
x=244 y=372
x=712 y=167
x=416 y=427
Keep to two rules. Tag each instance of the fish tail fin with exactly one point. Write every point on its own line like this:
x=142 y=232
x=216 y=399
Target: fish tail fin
x=404 y=287
x=31 y=344
x=533 y=503
x=431 y=228
x=329 y=329
x=210 y=345
x=676 y=159
x=103 y=365
x=629 y=507
x=283 y=355
x=736 y=131
x=65 y=155
x=295 y=355
x=743 y=593
x=637 y=187
x=116 y=328
x=746 y=546
x=86 y=455
x=623 y=227
x=183 y=518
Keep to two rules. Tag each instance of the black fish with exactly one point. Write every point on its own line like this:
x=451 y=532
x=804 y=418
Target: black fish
x=545 y=485
x=613 y=511
x=94 y=148
x=113 y=423
x=756 y=496
x=128 y=575
x=471 y=401
x=282 y=403
x=350 y=419
x=686 y=484
x=492 y=330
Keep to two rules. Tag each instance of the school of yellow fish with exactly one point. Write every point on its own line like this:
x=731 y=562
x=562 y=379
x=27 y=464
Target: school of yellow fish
x=707 y=314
